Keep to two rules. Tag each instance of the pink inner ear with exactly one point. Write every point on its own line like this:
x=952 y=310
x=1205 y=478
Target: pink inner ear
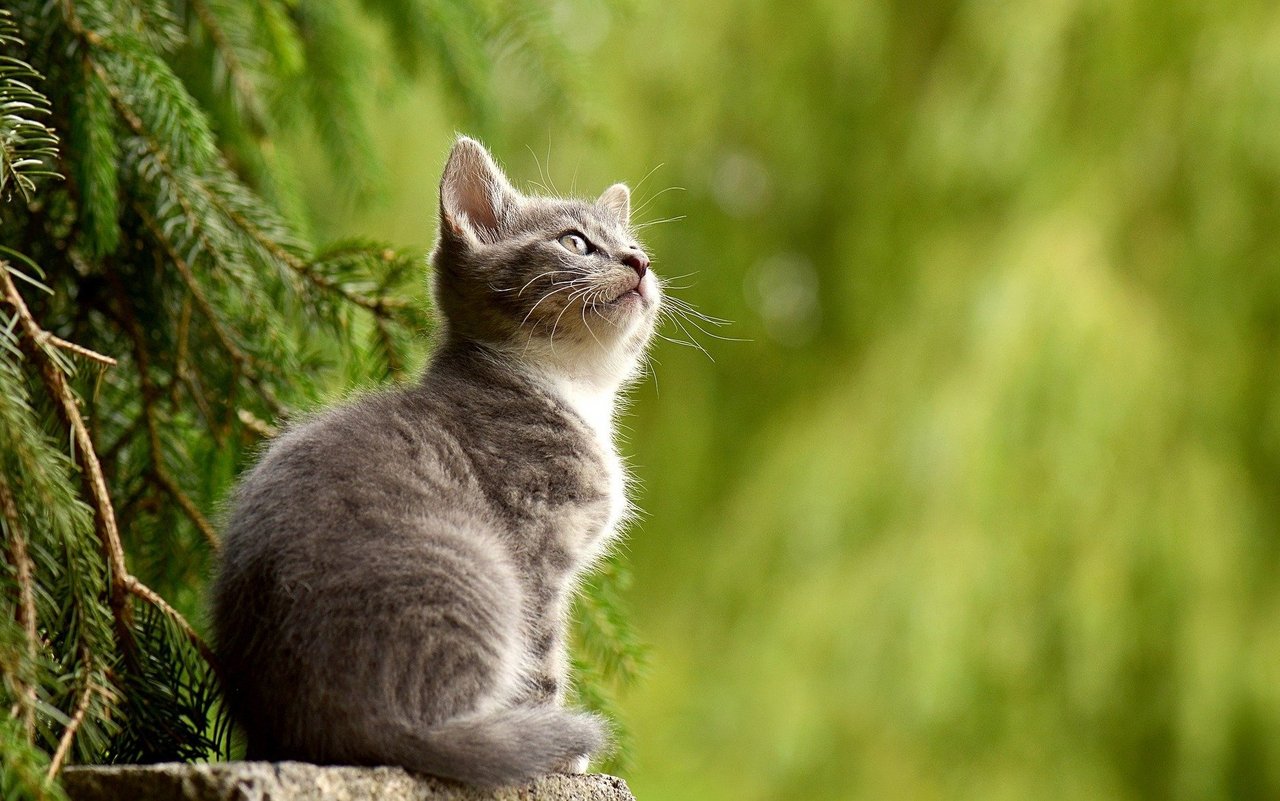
x=474 y=194
x=617 y=199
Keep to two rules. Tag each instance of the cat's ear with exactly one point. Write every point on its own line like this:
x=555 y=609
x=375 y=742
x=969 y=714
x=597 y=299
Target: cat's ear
x=476 y=198
x=617 y=199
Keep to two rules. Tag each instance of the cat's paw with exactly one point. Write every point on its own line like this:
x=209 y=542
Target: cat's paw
x=576 y=765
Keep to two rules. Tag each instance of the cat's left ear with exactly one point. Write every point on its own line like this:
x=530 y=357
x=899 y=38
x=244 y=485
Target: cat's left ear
x=617 y=199
x=476 y=199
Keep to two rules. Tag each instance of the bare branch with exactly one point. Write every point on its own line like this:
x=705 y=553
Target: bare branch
x=79 y=350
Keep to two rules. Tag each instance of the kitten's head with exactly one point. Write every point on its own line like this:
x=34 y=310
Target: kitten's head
x=559 y=282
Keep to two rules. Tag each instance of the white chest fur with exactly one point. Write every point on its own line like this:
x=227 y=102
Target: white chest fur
x=596 y=407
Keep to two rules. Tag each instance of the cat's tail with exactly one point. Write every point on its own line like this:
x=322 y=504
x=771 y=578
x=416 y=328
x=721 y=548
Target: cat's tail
x=504 y=747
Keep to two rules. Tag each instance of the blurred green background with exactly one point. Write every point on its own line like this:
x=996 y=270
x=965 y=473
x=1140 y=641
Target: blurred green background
x=985 y=504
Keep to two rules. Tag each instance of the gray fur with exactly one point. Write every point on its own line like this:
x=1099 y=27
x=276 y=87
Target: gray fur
x=396 y=572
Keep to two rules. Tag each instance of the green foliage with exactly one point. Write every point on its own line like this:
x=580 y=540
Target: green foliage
x=162 y=312
x=987 y=506
x=26 y=143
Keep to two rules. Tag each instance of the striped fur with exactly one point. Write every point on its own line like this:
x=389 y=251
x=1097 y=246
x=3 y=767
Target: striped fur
x=397 y=571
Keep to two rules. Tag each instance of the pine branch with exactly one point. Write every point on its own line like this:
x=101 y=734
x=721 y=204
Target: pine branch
x=381 y=307
x=159 y=469
x=91 y=470
x=245 y=363
x=123 y=584
x=73 y=726
x=26 y=614
x=334 y=83
x=228 y=52
x=27 y=145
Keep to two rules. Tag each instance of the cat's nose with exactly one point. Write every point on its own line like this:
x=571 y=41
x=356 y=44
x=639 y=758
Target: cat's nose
x=636 y=260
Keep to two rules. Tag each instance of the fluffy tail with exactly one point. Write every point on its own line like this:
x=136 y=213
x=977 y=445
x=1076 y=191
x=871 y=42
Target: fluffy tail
x=505 y=747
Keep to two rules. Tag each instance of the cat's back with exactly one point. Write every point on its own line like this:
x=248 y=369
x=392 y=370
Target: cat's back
x=383 y=454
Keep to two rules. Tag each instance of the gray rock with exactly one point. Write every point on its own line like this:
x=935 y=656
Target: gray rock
x=297 y=781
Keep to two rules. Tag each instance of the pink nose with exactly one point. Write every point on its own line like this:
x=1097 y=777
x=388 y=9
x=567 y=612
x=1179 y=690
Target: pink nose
x=637 y=261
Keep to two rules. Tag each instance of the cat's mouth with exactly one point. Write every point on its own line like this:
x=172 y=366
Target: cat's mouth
x=635 y=293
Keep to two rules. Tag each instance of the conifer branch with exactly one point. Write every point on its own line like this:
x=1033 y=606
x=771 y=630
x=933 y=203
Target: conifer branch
x=80 y=350
x=381 y=307
x=245 y=363
x=152 y=597
x=236 y=71
x=73 y=725
x=123 y=584
x=159 y=468
x=26 y=614
x=394 y=363
x=91 y=470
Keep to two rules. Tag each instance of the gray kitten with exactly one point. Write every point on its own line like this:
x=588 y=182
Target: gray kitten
x=397 y=572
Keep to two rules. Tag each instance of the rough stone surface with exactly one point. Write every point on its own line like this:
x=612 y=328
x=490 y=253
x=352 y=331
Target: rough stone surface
x=297 y=781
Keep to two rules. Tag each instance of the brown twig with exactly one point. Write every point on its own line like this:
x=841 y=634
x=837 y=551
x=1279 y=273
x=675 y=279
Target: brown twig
x=123 y=584
x=91 y=470
x=246 y=364
x=152 y=597
x=69 y=733
x=80 y=350
x=150 y=392
x=26 y=613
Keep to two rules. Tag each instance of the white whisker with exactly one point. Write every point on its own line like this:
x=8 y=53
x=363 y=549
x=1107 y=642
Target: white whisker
x=657 y=195
x=641 y=226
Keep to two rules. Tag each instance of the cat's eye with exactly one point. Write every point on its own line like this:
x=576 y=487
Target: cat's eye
x=575 y=243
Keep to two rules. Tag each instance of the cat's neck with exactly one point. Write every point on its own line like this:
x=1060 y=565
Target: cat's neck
x=589 y=388
x=593 y=404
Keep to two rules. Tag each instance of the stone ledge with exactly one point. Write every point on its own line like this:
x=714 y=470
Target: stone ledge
x=298 y=781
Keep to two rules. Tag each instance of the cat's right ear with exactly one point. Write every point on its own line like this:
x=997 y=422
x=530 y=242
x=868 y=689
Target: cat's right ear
x=476 y=199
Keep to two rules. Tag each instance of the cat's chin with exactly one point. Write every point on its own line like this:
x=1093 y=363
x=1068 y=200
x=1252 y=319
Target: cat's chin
x=627 y=312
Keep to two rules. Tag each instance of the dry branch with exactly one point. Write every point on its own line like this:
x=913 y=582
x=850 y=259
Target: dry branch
x=80 y=350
